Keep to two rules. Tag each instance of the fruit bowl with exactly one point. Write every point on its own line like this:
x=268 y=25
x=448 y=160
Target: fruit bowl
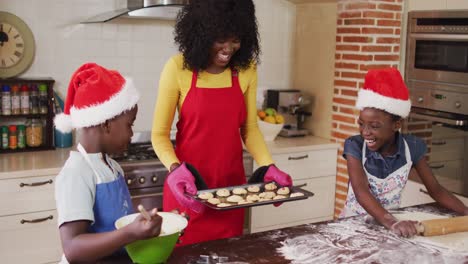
x=156 y=249
x=269 y=130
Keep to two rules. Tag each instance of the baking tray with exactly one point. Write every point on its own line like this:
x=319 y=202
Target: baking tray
x=293 y=189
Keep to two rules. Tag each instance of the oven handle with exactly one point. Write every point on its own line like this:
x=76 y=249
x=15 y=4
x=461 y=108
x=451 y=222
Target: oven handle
x=439 y=36
x=439 y=119
x=146 y=195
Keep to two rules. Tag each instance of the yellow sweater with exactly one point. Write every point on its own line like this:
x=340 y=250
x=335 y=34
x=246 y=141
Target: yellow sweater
x=174 y=85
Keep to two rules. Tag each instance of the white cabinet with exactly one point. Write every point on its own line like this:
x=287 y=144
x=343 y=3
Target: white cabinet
x=457 y=4
x=415 y=193
x=316 y=168
x=437 y=4
x=28 y=220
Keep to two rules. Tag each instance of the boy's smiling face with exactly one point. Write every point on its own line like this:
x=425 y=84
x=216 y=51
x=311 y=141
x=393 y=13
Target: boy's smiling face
x=378 y=129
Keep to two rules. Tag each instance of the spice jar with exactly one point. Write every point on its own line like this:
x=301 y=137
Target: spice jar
x=43 y=102
x=24 y=99
x=15 y=100
x=4 y=137
x=6 y=100
x=21 y=136
x=33 y=100
x=12 y=137
x=34 y=133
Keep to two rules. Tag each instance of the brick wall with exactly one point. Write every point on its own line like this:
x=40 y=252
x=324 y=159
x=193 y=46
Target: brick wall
x=368 y=36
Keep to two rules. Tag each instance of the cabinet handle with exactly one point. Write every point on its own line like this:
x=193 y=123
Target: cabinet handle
x=38 y=220
x=423 y=191
x=439 y=143
x=36 y=183
x=147 y=195
x=437 y=167
x=298 y=158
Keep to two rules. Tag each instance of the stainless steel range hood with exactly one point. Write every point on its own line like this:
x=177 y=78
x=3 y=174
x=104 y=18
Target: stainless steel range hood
x=154 y=9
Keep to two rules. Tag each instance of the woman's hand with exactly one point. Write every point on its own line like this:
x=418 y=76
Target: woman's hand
x=141 y=228
x=404 y=228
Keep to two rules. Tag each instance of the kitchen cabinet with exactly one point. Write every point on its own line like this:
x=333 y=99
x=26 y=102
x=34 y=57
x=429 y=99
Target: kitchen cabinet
x=310 y=161
x=28 y=219
x=437 y=4
x=457 y=4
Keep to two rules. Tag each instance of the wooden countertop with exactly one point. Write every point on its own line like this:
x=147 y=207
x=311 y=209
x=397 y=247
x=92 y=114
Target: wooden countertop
x=35 y=163
x=350 y=240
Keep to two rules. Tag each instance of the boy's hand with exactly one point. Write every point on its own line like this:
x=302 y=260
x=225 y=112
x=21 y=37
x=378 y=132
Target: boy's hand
x=404 y=228
x=141 y=228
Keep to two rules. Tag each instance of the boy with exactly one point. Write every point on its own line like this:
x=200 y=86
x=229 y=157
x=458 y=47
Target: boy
x=380 y=158
x=90 y=190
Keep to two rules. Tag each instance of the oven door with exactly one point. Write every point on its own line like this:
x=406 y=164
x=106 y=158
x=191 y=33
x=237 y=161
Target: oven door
x=446 y=137
x=438 y=58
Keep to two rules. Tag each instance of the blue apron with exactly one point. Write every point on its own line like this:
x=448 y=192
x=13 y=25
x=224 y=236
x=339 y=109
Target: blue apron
x=112 y=200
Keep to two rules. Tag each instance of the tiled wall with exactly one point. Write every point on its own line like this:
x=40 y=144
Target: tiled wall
x=137 y=48
x=368 y=36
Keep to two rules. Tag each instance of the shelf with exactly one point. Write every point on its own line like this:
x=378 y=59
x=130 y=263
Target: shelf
x=24 y=116
x=27 y=149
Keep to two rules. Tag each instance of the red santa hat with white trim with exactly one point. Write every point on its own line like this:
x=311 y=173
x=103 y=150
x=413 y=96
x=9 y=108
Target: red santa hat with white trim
x=95 y=94
x=385 y=89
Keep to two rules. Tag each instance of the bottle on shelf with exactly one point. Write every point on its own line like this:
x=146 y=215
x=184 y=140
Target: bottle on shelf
x=43 y=101
x=15 y=100
x=21 y=136
x=34 y=133
x=4 y=131
x=12 y=137
x=34 y=100
x=24 y=99
x=6 y=100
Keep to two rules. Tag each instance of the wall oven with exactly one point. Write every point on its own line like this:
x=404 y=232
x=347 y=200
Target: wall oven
x=436 y=73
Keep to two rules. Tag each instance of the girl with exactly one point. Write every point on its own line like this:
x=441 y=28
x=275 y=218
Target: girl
x=213 y=84
x=90 y=190
x=380 y=158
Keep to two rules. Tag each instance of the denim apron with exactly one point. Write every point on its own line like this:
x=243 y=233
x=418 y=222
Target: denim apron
x=387 y=191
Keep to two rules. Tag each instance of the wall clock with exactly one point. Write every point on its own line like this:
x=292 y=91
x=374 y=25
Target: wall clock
x=17 y=45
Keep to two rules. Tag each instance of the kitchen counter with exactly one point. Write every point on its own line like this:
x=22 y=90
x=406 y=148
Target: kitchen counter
x=296 y=144
x=350 y=240
x=35 y=163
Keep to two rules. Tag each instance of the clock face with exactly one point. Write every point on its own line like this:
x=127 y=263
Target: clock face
x=11 y=45
x=17 y=45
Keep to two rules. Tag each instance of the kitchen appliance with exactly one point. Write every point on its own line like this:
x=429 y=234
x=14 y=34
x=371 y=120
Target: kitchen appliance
x=291 y=104
x=145 y=174
x=156 y=9
x=437 y=76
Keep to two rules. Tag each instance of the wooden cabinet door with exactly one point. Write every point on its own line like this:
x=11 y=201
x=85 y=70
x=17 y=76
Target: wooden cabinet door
x=26 y=242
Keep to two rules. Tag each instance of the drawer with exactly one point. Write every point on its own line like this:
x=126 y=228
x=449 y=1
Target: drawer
x=447 y=149
x=30 y=242
x=306 y=165
x=447 y=169
x=289 y=214
x=24 y=195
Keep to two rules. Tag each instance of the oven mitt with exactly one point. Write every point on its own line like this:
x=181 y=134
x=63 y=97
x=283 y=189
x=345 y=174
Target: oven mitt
x=183 y=180
x=271 y=173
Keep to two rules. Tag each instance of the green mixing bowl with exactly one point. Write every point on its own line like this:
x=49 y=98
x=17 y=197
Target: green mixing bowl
x=156 y=249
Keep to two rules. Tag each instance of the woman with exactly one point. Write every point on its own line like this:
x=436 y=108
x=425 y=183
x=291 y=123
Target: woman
x=213 y=84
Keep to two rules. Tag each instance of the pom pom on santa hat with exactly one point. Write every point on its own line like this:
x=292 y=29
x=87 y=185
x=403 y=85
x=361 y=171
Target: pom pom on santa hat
x=385 y=89
x=95 y=94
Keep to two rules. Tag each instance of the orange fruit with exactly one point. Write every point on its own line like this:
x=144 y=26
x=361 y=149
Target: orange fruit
x=261 y=114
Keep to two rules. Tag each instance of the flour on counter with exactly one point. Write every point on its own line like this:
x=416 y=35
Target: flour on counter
x=355 y=241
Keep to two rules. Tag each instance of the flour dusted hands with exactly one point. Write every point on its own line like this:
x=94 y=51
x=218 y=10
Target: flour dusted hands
x=183 y=180
x=404 y=228
x=142 y=228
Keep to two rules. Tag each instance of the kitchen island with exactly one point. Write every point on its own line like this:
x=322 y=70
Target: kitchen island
x=351 y=240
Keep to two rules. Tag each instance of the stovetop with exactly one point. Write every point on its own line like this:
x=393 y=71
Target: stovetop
x=137 y=152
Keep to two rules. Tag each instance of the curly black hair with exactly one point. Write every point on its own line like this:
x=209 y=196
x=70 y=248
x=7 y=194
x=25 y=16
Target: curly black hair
x=202 y=22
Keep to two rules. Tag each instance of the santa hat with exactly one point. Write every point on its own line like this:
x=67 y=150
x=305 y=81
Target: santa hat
x=95 y=94
x=385 y=89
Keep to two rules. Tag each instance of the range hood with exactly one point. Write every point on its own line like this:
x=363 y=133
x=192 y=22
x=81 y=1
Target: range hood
x=155 y=9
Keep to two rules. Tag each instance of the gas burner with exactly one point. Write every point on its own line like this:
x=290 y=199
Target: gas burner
x=137 y=152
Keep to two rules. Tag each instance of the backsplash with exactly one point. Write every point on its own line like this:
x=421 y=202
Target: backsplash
x=137 y=48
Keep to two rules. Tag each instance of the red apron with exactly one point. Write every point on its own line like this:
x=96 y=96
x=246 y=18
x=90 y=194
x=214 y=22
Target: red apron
x=208 y=137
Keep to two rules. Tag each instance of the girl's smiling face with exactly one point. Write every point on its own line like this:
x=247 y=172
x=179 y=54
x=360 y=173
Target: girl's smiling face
x=378 y=129
x=221 y=53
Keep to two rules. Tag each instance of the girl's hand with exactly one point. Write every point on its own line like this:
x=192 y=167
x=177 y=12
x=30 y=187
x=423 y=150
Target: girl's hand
x=404 y=228
x=141 y=228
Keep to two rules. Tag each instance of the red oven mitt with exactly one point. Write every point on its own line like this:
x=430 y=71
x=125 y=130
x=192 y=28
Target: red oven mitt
x=183 y=180
x=271 y=173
